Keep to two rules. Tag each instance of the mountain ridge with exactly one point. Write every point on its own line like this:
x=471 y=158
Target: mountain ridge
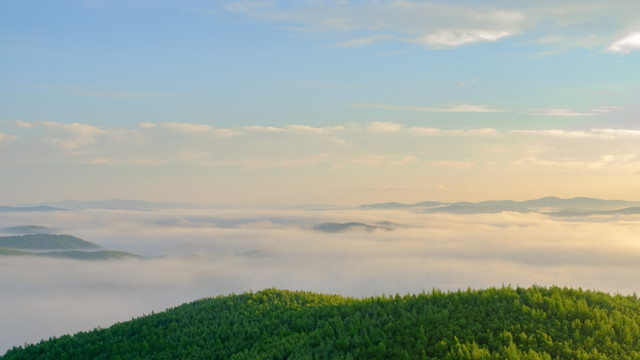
x=547 y=205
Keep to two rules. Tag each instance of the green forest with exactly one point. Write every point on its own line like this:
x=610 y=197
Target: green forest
x=504 y=323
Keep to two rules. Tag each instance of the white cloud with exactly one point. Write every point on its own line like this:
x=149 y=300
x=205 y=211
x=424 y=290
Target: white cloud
x=605 y=109
x=460 y=108
x=626 y=44
x=449 y=38
x=72 y=136
x=418 y=130
x=186 y=127
x=307 y=129
x=24 y=124
x=384 y=127
x=603 y=134
x=271 y=129
x=561 y=112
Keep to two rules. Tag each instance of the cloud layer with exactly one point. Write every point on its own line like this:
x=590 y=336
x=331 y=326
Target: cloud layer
x=211 y=252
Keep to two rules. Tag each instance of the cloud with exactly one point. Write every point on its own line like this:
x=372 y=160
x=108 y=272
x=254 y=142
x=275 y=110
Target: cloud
x=444 y=25
x=561 y=112
x=460 y=108
x=450 y=38
x=4 y=138
x=626 y=44
x=365 y=41
x=603 y=134
x=312 y=130
x=434 y=25
x=418 y=130
x=384 y=127
x=186 y=127
x=24 y=124
x=72 y=136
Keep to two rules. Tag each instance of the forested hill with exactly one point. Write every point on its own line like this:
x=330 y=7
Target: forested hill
x=506 y=323
x=45 y=242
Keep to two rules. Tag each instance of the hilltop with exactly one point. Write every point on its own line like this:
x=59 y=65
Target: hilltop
x=57 y=246
x=505 y=323
x=45 y=242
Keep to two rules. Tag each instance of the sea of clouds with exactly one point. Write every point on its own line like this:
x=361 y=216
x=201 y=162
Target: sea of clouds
x=191 y=254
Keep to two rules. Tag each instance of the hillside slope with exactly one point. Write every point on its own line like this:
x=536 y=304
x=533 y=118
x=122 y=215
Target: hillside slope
x=506 y=323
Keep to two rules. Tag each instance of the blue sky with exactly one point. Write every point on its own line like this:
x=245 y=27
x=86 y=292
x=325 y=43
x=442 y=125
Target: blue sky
x=254 y=102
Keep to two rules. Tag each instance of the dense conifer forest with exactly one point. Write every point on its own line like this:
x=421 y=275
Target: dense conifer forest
x=505 y=323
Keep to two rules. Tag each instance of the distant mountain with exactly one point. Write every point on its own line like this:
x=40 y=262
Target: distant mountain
x=571 y=213
x=332 y=227
x=28 y=229
x=45 y=242
x=29 y=208
x=578 y=203
x=549 y=205
x=479 y=208
x=117 y=204
x=395 y=205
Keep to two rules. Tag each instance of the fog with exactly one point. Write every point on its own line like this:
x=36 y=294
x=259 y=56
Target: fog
x=191 y=254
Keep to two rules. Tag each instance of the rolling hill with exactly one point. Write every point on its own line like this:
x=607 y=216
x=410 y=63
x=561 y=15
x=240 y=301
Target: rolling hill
x=57 y=246
x=45 y=242
x=505 y=323
x=332 y=227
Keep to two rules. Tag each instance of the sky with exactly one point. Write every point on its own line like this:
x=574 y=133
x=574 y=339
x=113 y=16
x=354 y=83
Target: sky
x=269 y=102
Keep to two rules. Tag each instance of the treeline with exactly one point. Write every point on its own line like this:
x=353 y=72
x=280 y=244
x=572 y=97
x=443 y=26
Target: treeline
x=505 y=323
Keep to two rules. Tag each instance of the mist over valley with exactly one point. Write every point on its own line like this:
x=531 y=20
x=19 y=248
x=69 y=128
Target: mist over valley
x=187 y=254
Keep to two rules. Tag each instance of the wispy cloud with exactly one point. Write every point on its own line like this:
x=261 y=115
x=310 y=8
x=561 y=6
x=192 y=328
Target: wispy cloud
x=365 y=41
x=604 y=134
x=384 y=127
x=626 y=44
x=186 y=127
x=465 y=83
x=419 y=130
x=4 y=138
x=445 y=25
x=461 y=108
x=561 y=112
x=72 y=136
x=434 y=25
x=450 y=38
x=24 y=124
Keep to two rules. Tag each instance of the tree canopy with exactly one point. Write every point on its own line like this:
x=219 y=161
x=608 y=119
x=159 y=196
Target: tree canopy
x=504 y=323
